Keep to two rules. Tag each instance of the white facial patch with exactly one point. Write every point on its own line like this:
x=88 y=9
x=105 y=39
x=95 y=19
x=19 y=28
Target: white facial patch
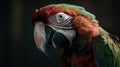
x=60 y=20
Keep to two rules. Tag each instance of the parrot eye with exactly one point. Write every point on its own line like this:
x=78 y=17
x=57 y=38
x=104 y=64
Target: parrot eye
x=61 y=17
x=60 y=20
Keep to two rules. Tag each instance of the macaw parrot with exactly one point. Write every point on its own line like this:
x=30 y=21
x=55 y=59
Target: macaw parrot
x=83 y=41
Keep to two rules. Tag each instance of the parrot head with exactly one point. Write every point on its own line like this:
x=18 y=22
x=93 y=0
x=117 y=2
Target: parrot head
x=59 y=24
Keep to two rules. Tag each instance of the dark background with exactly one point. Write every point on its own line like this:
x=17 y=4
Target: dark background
x=17 y=48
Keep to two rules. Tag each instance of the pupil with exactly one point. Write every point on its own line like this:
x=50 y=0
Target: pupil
x=60 y=16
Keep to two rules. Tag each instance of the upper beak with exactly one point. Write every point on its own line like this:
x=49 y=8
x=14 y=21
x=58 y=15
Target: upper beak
x=39 y=36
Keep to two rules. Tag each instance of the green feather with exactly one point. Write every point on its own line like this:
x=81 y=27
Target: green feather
x=107 y=50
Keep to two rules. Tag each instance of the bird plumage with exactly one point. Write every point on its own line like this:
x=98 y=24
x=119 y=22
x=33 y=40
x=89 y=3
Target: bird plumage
x=90 y=45
x=107 y=50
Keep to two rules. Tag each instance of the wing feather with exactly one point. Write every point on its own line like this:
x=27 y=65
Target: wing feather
x=107 y=50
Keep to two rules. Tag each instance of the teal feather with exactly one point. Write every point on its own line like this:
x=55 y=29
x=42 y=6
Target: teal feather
x=107 y=50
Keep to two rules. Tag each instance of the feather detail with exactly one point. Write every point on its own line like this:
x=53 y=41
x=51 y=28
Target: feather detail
x=86 y=28
x=114 y=46
x=107 y=50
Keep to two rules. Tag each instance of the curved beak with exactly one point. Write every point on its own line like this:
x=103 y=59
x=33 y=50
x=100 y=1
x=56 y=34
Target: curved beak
x=39 y=36
x=42 y=36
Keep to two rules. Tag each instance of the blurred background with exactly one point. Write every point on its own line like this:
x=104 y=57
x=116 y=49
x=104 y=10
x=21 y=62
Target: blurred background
x=17 y=47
